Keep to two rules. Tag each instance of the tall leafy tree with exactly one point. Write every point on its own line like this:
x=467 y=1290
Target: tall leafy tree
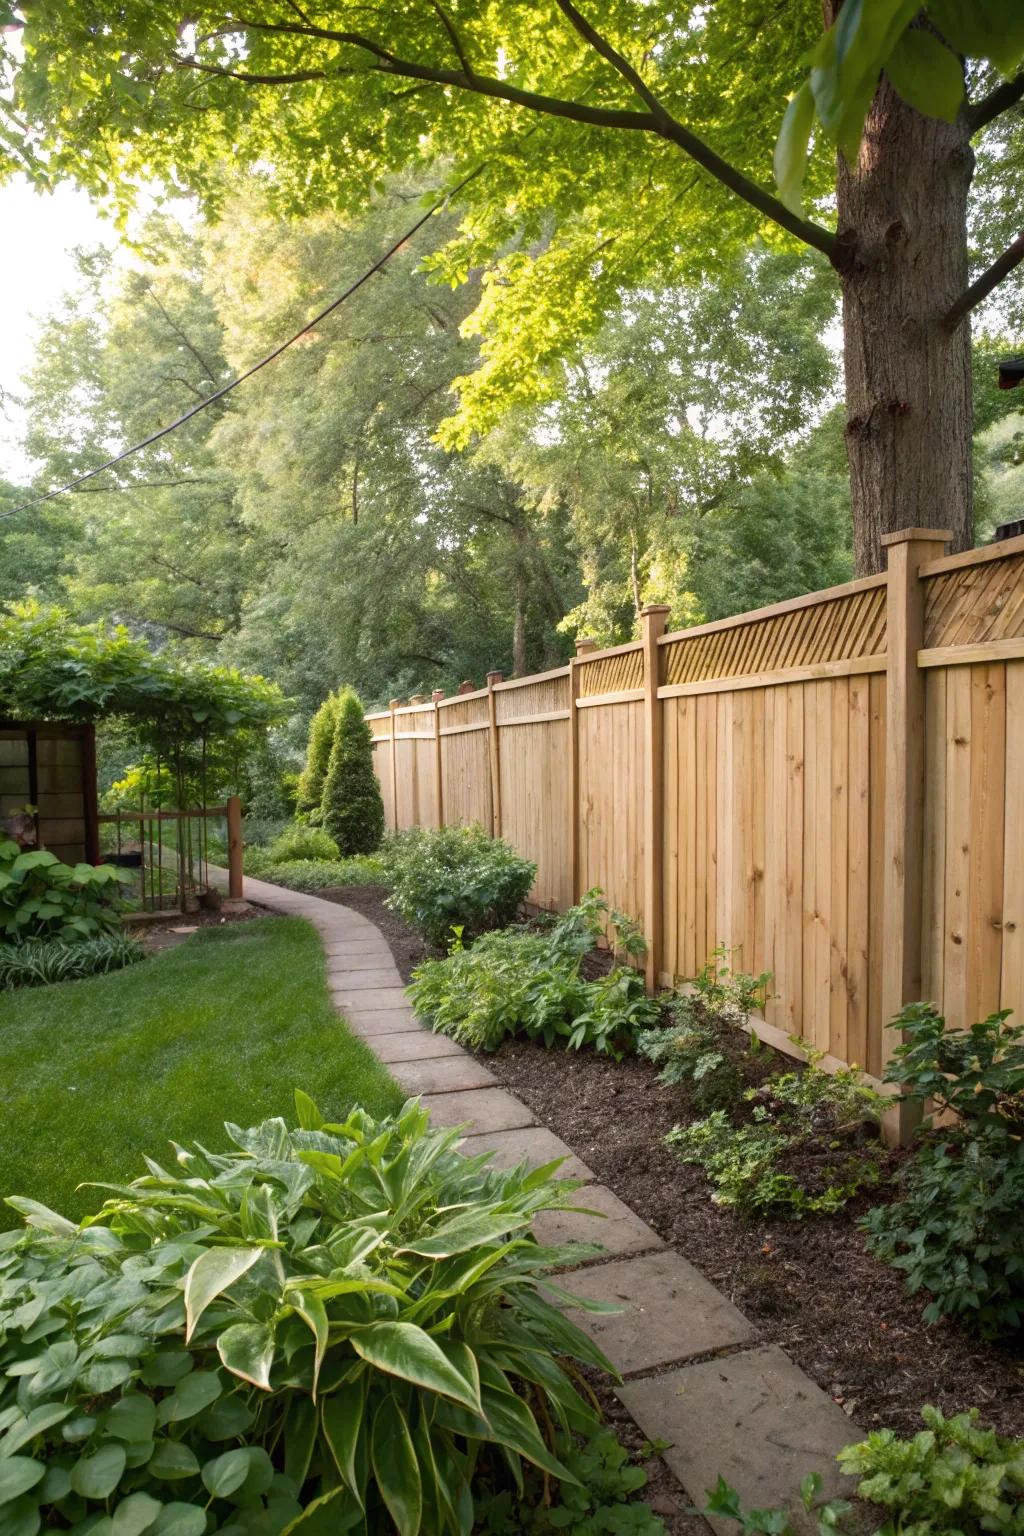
x=623 y=144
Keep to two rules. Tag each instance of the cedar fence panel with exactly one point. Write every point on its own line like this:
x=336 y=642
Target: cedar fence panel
x=832 y=787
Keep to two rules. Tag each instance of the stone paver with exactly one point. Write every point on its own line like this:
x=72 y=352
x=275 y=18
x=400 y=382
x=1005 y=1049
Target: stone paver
x=448 y=1074
x=532 y=1143
x=748 y=1411
x=670 y=1312
x=615 y=1226
x=756 y=1418
x=414 y=1045
x=487 y=1109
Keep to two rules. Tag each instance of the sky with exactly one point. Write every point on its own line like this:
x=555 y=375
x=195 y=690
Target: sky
x=39 y=232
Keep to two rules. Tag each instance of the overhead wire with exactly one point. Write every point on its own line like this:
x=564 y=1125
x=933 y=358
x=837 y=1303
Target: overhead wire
x=232 y=384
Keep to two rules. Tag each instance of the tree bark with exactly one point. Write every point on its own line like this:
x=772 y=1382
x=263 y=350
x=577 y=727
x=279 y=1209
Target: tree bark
x=903 y=262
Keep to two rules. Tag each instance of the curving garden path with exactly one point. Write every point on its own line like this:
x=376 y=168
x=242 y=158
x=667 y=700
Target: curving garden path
x=695 y=1372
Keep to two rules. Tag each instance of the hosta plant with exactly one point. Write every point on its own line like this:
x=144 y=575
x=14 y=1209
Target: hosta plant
x=42 y=898
x=41 y=962
x=328 y=1328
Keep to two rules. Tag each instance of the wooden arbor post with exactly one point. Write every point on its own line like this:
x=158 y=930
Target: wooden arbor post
x=236 y=886
x=584 y=646
x=653 y=620
x=903 y=872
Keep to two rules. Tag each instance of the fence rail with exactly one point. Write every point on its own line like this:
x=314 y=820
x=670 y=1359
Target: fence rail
x=832 y=787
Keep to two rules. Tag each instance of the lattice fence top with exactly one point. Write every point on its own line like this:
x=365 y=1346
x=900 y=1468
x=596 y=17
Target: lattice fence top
x=532 y=699
x=840 y=629
x=975 y=603
x=612 y=674
x=471 y=710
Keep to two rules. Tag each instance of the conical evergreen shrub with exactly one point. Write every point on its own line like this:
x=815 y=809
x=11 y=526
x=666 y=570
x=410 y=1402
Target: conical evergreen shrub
x=352 y=811
x=318 y=754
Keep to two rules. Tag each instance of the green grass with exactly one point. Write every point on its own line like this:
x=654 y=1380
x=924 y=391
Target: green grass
x=94 y=1073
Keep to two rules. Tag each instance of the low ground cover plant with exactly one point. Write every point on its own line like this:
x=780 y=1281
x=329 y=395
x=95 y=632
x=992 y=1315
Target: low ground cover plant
x=600 y=1502
x=957 y=1234
x=455 y=878
x=312 y=874
x=522 y=981
x=338 y=1321
x=41 y=962
x=803 y=1143
x=300 y=841
x=41 y=898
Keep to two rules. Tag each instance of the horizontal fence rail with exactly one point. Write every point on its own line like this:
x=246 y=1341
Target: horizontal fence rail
x=831 y=787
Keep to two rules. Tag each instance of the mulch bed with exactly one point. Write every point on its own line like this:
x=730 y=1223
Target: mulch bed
x=175 y=929
x=809 y=1285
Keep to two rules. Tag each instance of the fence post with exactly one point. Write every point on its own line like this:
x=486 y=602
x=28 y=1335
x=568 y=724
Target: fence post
x=435 y=698
x=653 y=621
x=393 y=705
x=583 y=648
x=235 y=884
x=903 y=868
x=492 y=733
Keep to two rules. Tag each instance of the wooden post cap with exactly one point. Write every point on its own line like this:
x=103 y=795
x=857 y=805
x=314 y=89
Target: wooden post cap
x=394 y=703
x=585 y=644
x=650 y=609
x=495 y=677
x=417 y=698
x=438 y=693
x=904 y=536
x=466 y=686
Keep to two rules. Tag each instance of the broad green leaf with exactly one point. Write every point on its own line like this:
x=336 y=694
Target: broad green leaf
x=402 y=1349
x=396 y=1468
x=132 y=1417
x=982 y=29
x=194 y=1393
x=213 y=1272
x=513 y=1425
x=314 y=1314
x=309 y=1116
x=20 y=1517
x=97 y=1475
x=171 y=1461
x=41 y=1216
x=342 y=1415
x=927 y=75
x=225 y=1474
x=321 y=1518
x=41 y=1418
x=791 y=148
x=135 y=1514
x=17 y=1475
x=180 y=1520
x=247 y=1350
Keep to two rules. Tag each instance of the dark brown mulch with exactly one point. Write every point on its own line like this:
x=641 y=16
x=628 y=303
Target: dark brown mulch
x=176 y=929
x=809 y=1285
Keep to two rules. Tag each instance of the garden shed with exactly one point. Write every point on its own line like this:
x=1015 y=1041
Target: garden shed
x=52 y=766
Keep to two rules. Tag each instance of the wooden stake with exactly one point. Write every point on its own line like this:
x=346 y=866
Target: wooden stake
x=903 y=871
x=653 y=620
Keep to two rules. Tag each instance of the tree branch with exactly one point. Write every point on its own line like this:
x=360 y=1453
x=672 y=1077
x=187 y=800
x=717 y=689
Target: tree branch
x=983 y=285
x=981 y=113
x=655 y=120
x=455 y=39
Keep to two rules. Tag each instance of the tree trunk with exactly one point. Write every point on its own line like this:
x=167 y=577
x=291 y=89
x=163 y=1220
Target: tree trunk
x=519 y=628
x=903 y=262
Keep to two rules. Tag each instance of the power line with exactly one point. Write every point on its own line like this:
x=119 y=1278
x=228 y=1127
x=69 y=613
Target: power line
x=226 y=389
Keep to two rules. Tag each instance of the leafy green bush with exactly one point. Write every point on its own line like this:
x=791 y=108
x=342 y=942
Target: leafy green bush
x=598 y=1502
x=951 y=1479
x=351 y=809
x=299 y=842
x=312 y=874
x=455 y=877
x=310 y=789
x=41 y=898
x=518 y=982
x=704 y=1044
x=345 y=1318
x=40 y=962
x=957 y=1234
x=804 y=1150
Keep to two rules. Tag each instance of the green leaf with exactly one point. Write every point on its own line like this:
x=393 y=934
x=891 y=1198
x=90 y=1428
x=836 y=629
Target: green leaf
x=132 y=1417
x=213 y=1272
x=514 y=1426
x=927 y=75
x=41 y=1216
x=20 y=1518
x=17 y=1475
x=97 y=1475
x=225 y=1474
x=982 y=29
x=172 y=1460
x=135 y=1514
x=791 y=148
x=247 y=1350
x=402 y=1349
x=180 y=1520
x=396 y=1468
x=196 y=1392
x=309 y=1117
x=41 y=1418
x=314 y=1314
x=342 y=1415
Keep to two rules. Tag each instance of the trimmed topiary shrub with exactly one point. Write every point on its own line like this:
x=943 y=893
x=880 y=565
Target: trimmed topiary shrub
x=352 y=811
x=318 y=754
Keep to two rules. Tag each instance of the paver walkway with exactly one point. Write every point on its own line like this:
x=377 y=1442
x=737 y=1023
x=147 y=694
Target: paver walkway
x=695 y=1372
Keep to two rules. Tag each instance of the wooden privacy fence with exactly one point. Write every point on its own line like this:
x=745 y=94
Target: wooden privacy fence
x=832 y=787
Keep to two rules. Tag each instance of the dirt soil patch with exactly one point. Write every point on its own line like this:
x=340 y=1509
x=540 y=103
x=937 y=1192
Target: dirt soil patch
x=809 y=1285
x=173 y=930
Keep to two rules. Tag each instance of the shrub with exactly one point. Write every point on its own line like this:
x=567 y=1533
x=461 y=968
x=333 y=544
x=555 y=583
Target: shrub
x=41 y=962
x=804 y=1150
x=704 y=1043
x=456 y=877
x=952 y=1477
x=352 y=810
x=343 y=1318
x=312 y=874
x=519 y=982
x=299 y=842
x=41 y=898
x=309 y=792
x=957 y=1234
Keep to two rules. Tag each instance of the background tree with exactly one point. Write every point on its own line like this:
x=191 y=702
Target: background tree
x=322 y=728
x=611 y=159
x=352 y=811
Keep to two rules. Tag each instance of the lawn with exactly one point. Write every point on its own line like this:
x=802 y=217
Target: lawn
x=224 y=1027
